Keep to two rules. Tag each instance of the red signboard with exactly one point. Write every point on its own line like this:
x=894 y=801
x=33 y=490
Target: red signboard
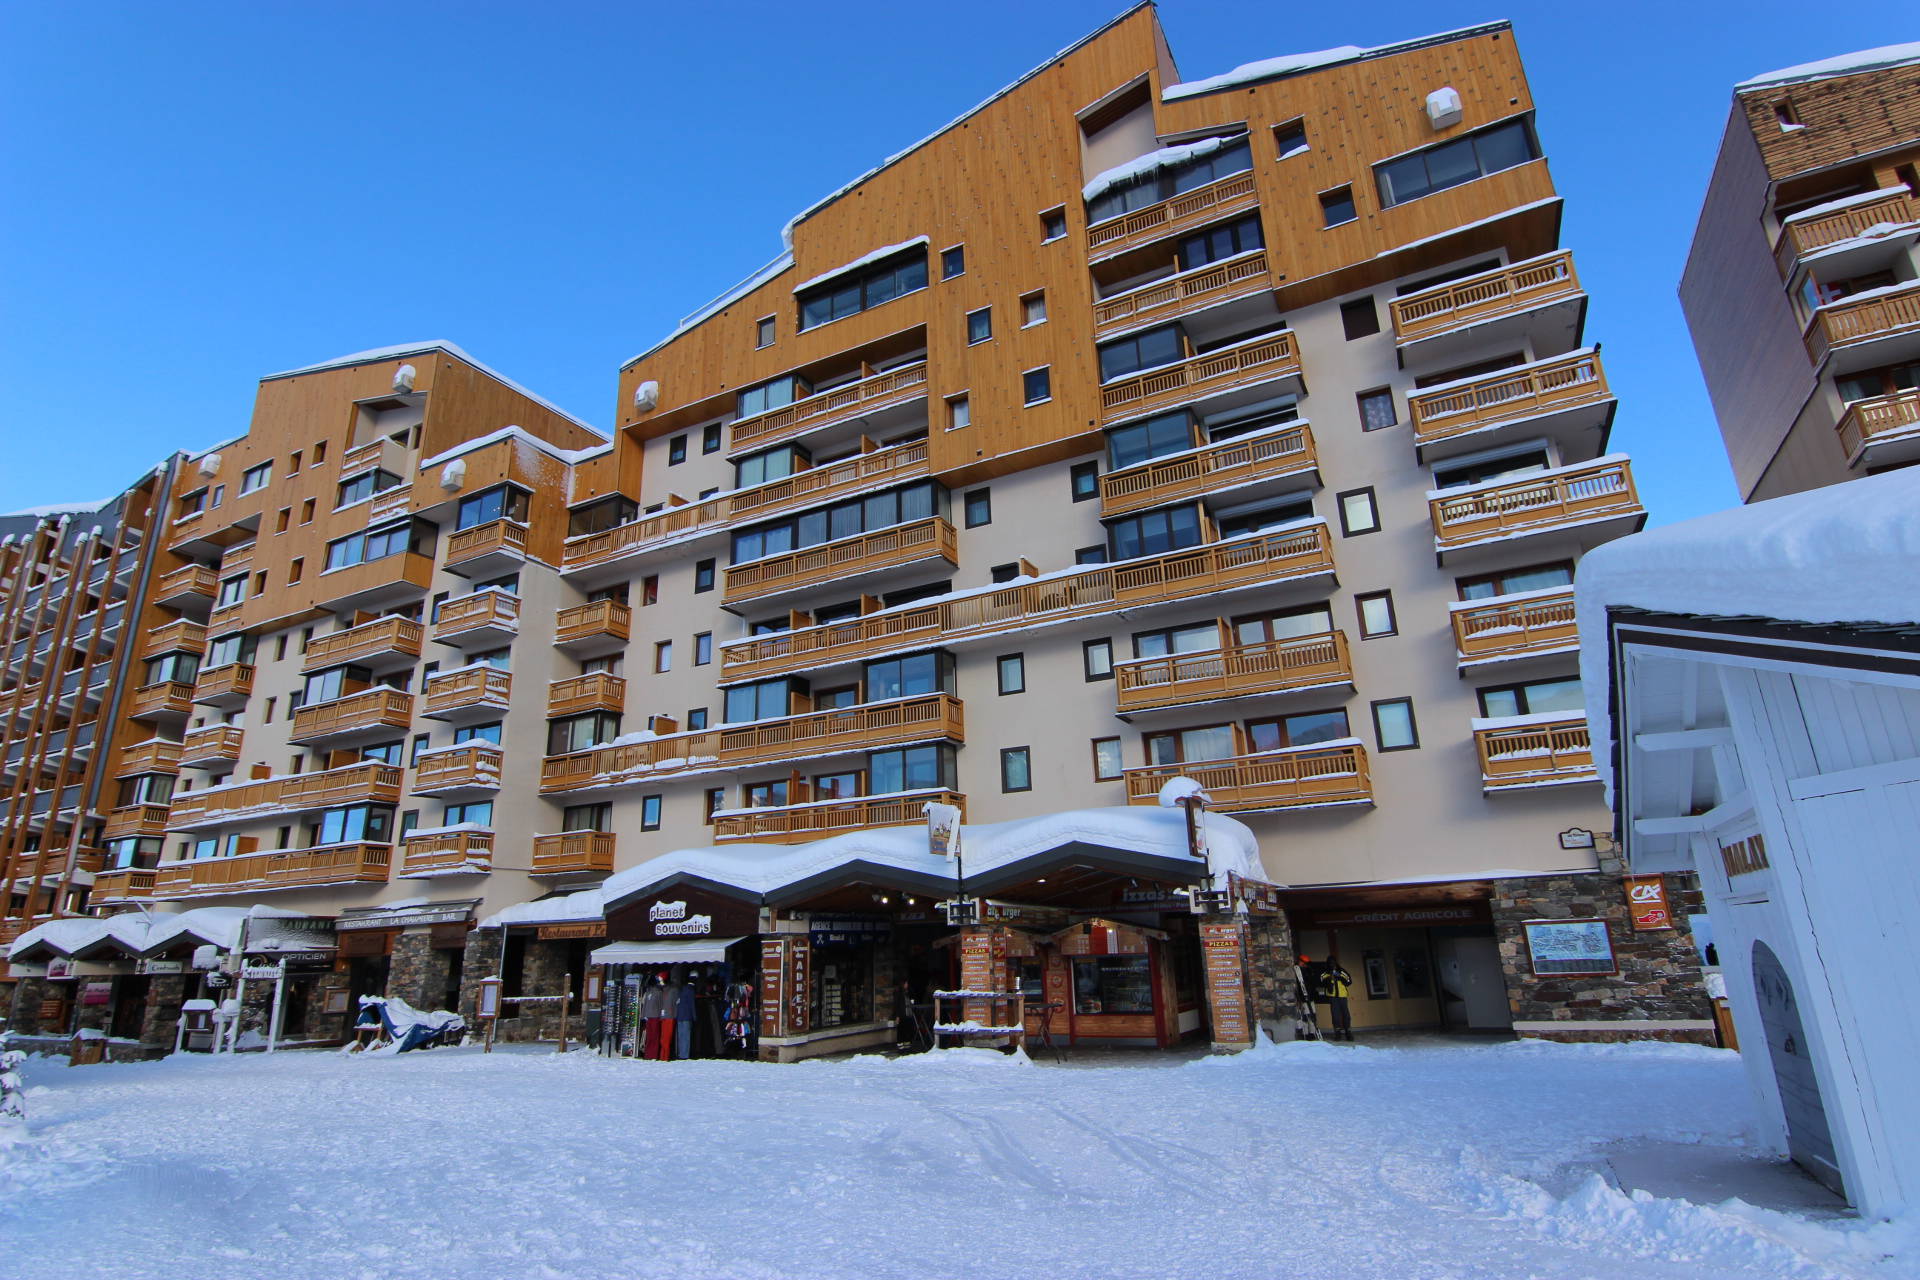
x=1223 y=950
x=1647 y=899
x=773 y=984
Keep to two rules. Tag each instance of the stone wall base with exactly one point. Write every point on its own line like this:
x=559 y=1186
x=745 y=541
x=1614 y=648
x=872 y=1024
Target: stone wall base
x=1677 y=1032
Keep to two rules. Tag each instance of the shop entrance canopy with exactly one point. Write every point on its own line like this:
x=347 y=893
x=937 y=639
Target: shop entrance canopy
x=691 y=951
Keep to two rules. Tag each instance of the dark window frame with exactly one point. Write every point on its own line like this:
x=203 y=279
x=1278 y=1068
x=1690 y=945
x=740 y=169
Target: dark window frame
x=1360 y=614
x=1373 y=506
x=1019 y=667
x=1025 y=756
x=1413 y=724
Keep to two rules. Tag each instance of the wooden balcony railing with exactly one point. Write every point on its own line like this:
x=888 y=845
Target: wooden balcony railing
x=1549 y=500
x=598 y=619
x=275 y=869
x=154 y=756
x=229 y=682
x=788 y=824
x=1868 y=422
x=1262 y=359
x=372 y=709
x=185 y=584
x=1188 y=291
x=383 y=637
x=123 y=884
x=1499 y=629
x=1880 y=315
x=482 y=686
x=483 y=610
x=1512 y=395
x=211 y=744
x=1535 y=755
x=440 y=853
x=1222 y=566
x=1271 y=666
x=471 y=766
x=599 y=766
x=145 y=820
x=573 y=853
x=369 y=782
x=1263 y=455
x=1296 y=778
x=496 y=537
x=929 y=539
x=181 y=635
x=1229 y=195
x=1799 y=237
x=595 y=691
x=363 y=456
x=169 y=698
x=1490 y=295
x=895 y=386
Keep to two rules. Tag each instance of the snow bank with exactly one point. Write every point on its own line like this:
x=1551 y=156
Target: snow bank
x=1891 y=55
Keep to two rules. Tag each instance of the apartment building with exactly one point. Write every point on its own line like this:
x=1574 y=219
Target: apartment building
x=1803 y=287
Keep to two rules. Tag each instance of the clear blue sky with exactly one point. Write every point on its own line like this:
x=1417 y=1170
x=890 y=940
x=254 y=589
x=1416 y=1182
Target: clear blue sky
x=192 y=196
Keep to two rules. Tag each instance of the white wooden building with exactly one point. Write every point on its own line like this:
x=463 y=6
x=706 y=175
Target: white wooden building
x=1759 y=671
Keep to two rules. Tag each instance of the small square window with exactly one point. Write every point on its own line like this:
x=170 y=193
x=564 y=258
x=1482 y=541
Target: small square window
x=1106 y=759
x=1336 y=206
x=1290 y=139
x=696 y=719
x=703 y=649
x=979 y=325
x=710 y=438
x=1004 y=572
x=1013 y=673
x=295 y=569
x=959 y=413
x=953 y=262
x=1360 y=318
x=663 y=655
x=702 y=576
x=1084 y=480
x=1096 y=659
x=1095 y=554
x=319 y=452
x=306 y=511
x=979 y=507
x=763 y=332
x=1033 y=309
x=676 y=451
x=1358 y=514
x=1393 y=725
x=650 y=813
x=1038 y=384
x=1053 y=224
x=1376 y=409
x=1016 y=769
x=1376 y=615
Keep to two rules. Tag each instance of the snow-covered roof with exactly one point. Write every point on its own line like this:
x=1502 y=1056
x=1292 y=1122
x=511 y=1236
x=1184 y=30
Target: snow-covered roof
x=872 y=255
x=1164 y=158
x=565 y=908
x=523 y=436
x=1292 y=64
x=420 y=348
x=145 y=932
x=56 y=509
x=1846 y=64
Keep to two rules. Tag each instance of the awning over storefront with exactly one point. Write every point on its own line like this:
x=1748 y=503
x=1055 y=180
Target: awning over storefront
x=692 y=951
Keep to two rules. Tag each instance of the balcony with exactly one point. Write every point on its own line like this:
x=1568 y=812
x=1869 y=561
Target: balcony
x=631 y=761
x=1261 y=361
x=182 y=635
x=447 y=852
x=835 y=563
x=594 y=629
x=1263 y=560
x=169 y=700
x=1528 y=625
x=375 y=585
x=486 y=549
x=189 y=586
x=369 y=782
x=595 y=691
x=790 y=824
x=1874 y=327
x=229 y=685
x=148 y=821
x=1881 y=430
x=1565 y=398
x=483 y=620
x=365 y=716
x=211 y=746
x=1272 y=454
x=1311 y=777
x=383 y=644
x=573 y=853
x=1237 y=671
x=275 y=869
x=156 y=755
x=1230 y=195
x=1886 y=218
x=468 y=694
x=1539 y=299
x=458 y=772
x=1180 y=294
x=1524 y=752
x=1590 y=503
x=124 y=884
x=842 y=404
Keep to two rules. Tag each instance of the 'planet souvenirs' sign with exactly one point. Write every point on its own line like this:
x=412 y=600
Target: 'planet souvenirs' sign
x=670 y=919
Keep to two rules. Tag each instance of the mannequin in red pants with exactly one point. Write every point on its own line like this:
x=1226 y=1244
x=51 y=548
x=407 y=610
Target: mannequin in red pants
x=656 y=1011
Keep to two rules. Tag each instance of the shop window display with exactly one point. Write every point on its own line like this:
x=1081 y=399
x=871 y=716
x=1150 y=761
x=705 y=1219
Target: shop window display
x=1113 y=984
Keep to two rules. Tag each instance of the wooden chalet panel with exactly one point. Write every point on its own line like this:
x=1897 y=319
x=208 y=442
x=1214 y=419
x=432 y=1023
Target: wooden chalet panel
x=1842 y=118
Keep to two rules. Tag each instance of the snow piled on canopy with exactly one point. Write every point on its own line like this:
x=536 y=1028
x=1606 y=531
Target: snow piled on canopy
x=872 y=255
x=146 y=932
x=565 y=908
x=1164 y=158
x=420 y=348
x=1890 y=55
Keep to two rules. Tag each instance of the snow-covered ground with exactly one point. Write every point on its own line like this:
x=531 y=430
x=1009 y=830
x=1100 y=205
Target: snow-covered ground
x=1304 y=1160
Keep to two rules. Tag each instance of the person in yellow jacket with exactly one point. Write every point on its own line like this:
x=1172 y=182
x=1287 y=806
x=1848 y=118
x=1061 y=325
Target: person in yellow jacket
x=1335 y=986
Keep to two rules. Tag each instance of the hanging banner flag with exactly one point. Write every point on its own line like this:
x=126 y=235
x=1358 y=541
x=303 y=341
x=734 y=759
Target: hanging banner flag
x=943 y=829
x=1647 y=899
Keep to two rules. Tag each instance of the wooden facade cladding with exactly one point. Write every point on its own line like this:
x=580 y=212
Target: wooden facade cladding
x=1264 y=359
x=367 y=783
x=275 y=869
x=483 y=611
x=211 y=745
x=1800 y=237
x=1844 y=117
x=1263 y=559
x=1878 y=420
x=1265 y=455
x=387 y=580
x=441 y=853
x=390 y=637
x=1184 y=292
x=168 y=700
x=128 y=820
x=1502 y=629
x=789 y=824
x=1541 y=503
x=598 y=623
x=573 y=853
x=230 y=684
x=1234 y=194
x=468 y=767
x=123 y=884
x=917 y=542
x=594 y=691
x=182 y=635
x=1233 y=671
x=1300 y=777
x=373 y=709
x=1491 y=295
x=156 y=755
x=1498 y=399
x=467 y=689
x=185 y=587
x=1851 y=321
x=1536 y=755
x=841 y=404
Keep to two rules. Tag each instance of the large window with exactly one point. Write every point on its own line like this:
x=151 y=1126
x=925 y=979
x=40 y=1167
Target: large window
x=761 y=700
x=911 y=676
x=1152 y=532
x=477 y=733
x=768 y=395
x=1506 y=582
x=1146 y=350
x=1508 y=466
x=1177 y=746
x=1287 y=624
x=1225 y=241
x=1452 y=163
x=1301 y=730
x=597 y=517
x=1196 y=638
x=1113 y=984
x=1165 y=181
x=774 y=464
x=146 y=788
x=854 y=291
x=333 y=683
x=371 y=824
x=912 y=769
x=179 y=667
x=256 y=477
x=502 y=502
x=1139 y=442
x=378 y=544
x=477 y=812
x=841 y=520
x=578 y=733
x=365 y=485
x=1532 y=698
